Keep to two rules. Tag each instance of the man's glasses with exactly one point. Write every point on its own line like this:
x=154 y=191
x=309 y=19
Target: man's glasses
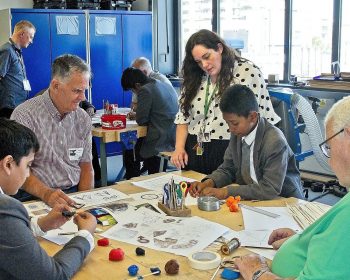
x=325 y=148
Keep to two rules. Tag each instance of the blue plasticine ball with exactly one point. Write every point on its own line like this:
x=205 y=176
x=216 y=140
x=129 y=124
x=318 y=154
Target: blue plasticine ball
x=230 y=274
x=155 y=269
x=133 y=269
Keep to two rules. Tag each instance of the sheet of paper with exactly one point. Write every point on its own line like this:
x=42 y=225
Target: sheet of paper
x=53 y=235
x=98 y=197
x=256 y=221
x=159 y=182
x=37 y=208
x=267 y=253
x=254 y=238
x=180 y=236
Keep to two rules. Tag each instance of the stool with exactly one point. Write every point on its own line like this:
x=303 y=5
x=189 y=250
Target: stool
x=163 y=156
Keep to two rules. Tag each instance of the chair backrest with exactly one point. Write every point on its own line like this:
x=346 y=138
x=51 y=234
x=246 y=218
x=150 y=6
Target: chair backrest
x=293 y=105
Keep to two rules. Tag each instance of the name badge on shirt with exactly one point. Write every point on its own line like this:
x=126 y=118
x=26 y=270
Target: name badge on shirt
x=75 y=153
x=26 y=85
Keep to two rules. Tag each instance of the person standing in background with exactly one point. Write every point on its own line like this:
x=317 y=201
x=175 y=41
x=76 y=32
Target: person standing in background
x=209 y=67
x=145 y=66
x=14 y=85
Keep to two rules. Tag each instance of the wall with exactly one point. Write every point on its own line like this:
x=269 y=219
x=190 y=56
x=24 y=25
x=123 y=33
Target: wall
x=5 y=4
x=142 y=5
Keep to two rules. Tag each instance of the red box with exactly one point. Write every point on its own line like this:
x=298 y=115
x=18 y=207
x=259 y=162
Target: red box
x=113 y=121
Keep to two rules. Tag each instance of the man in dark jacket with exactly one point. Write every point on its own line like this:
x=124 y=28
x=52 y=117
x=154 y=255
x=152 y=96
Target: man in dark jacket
x=157 y=107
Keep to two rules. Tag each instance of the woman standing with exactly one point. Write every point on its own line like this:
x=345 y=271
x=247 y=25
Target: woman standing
x=209 y=67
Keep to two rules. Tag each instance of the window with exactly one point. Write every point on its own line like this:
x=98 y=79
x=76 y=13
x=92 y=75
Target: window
x=345 y=38
x=256 y=28
x=195 y=15
x=311 y=37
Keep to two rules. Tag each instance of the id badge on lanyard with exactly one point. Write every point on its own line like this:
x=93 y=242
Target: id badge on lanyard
x=26 y=85
x=203 y=135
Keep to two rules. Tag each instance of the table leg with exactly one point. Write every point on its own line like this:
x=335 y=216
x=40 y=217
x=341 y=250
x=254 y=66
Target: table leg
x=161 y=165
x=103 y=159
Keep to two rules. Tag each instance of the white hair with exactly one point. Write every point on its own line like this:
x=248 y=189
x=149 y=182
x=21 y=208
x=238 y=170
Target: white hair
x=142 y=63
x=339 y=114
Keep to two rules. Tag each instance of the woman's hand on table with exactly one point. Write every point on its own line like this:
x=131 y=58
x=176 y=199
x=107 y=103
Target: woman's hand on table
x=179 y=158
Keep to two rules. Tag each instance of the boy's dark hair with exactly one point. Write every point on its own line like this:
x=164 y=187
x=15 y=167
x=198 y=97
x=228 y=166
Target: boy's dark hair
x=132 y=76
x=16 y=140
x=239 y=100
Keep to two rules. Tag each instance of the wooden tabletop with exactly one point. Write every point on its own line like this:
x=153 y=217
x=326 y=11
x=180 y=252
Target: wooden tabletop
x=98 y=267
x=109 y=135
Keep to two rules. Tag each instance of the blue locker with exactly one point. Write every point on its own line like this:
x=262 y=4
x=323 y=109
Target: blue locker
x=137 y=41
x=108 y=40
x=106 y=57
x=68 y=33
x=57 y=32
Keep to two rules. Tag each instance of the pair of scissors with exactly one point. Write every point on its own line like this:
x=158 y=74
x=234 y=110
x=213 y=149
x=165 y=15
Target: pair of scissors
x=166 y=195
x=184 y=188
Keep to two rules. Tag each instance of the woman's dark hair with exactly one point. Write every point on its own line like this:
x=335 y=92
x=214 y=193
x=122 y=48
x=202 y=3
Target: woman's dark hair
x=16 y=140
x=192 y=73
x=239 y=100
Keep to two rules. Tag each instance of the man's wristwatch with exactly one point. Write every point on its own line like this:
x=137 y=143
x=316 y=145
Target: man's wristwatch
x=258 y=273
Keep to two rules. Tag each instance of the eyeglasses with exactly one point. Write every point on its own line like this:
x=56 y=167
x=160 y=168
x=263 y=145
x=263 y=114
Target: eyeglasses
x=325 y=148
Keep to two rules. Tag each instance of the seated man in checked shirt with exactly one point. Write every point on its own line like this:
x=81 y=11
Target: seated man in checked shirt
x=63 y=163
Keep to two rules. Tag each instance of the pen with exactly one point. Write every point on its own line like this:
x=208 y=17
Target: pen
x=67 y=233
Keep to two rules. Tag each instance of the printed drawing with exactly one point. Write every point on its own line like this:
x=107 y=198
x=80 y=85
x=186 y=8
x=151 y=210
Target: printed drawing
x=124 y=234
x=151 y=196
x=40 y=212
x=142 y=239
x=117 y=207
x=158 y=233
x=99 y=197
x=83 y=197
x=187 y=245
x=130 y=225
x=164 y=243
x=180 y=236
x=169 y=220
x=148 y=206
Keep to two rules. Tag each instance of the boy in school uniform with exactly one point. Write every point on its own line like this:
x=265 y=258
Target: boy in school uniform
x=258 y=157
x=21 y=255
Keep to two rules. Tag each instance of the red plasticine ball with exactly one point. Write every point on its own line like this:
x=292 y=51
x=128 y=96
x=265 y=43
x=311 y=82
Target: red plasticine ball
x=116 y=254
x=103 y=242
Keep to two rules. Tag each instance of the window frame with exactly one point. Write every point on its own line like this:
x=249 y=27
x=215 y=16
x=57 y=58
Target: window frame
x=336 y=33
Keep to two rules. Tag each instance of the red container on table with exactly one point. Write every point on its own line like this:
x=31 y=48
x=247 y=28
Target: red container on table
x=113 y=121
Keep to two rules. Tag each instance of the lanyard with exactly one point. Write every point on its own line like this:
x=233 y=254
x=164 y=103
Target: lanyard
x=20 y=57
x=207 y=99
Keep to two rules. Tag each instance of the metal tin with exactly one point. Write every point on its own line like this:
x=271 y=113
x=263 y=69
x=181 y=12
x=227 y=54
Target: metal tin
x=208 y=203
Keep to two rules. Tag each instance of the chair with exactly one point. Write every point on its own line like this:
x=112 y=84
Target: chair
x=294 y=104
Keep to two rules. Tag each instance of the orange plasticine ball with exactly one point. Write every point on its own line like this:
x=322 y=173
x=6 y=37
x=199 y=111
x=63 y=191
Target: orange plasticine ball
x=234 y=207
x=230 y=200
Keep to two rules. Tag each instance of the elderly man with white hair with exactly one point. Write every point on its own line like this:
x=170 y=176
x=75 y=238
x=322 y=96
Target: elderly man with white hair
x=321 y=250
x=145 y=66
